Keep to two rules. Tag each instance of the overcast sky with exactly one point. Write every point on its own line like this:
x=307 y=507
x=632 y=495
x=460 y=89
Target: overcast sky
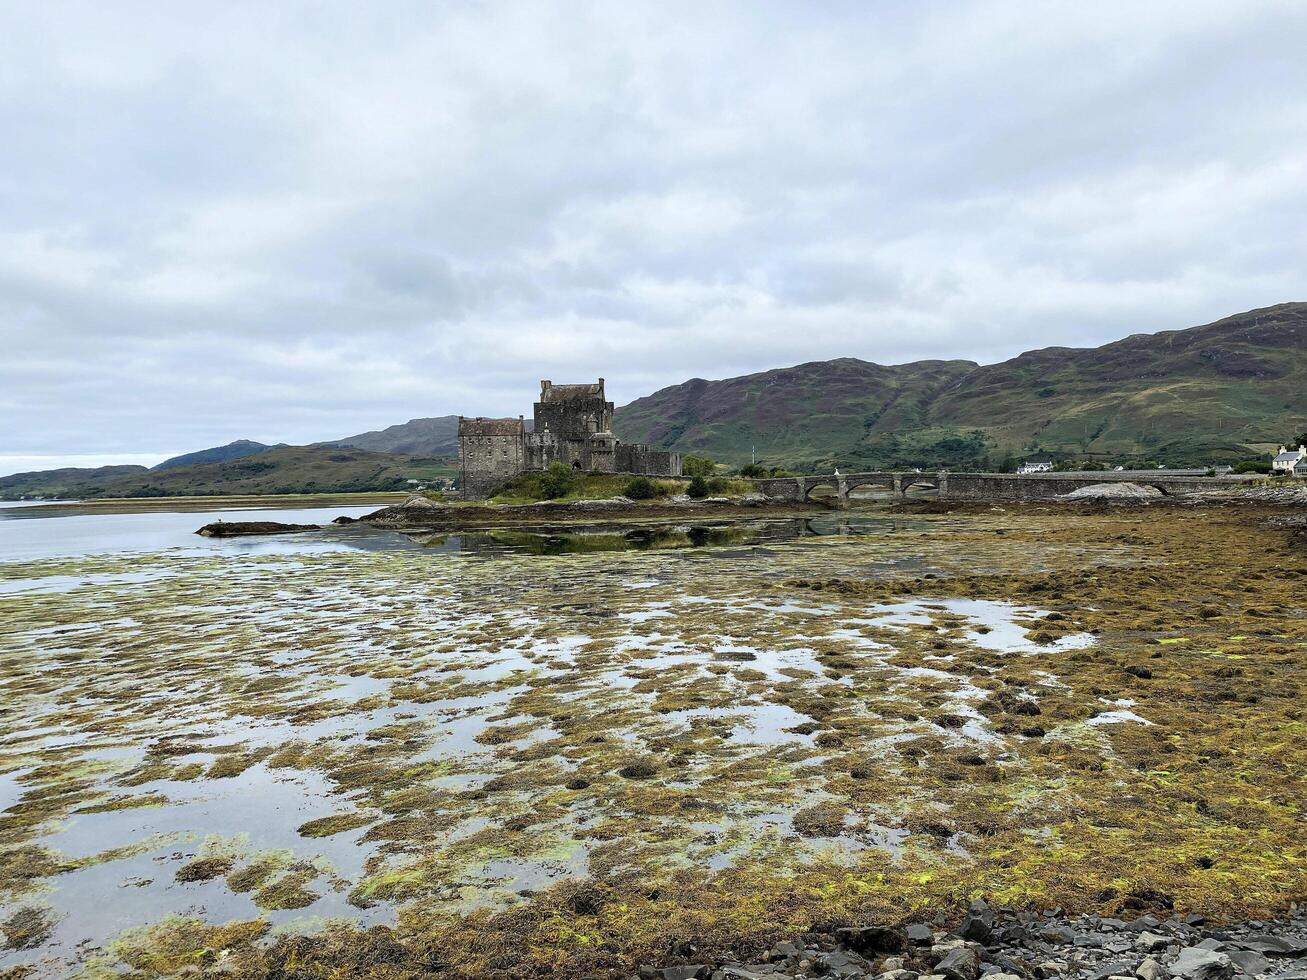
x=294 y=222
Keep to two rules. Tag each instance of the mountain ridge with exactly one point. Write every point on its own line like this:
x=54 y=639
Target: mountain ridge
x=1216 y=392
x=1197 y=394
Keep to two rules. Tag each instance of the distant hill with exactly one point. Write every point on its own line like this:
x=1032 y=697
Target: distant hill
x=1206 y=394
x=233 y=450
x=790 y=414
x=69 y=483
x=416 y=437
x=280 y=469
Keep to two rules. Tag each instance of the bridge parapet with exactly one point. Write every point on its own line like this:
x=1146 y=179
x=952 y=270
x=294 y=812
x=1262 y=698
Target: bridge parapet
x=992 y=486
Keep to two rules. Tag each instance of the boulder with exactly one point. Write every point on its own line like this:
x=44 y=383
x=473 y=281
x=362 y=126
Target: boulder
x=419 y=502
x=235 y=529
x=977 y=926
x=1248 y=962
x=1274 y=945
x=959 y=964
x=1202 y=964
x=919 y=934
x=873 y=940
x=1151 y=942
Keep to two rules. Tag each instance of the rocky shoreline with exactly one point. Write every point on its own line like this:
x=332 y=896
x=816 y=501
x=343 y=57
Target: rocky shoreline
x=422 y=513
x=237 y=529
x=999 y=943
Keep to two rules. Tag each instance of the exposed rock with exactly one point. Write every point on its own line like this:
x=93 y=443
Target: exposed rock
x=1024 y=945
x=1248 y=962
x=691 y=972
x=977 y=926
x=1275 y=945
x=873 y=940
x=919 y=935
x=235 y=529
x=418 y=501
x=1201 y=964
x=1113 y=491
x=960 y=964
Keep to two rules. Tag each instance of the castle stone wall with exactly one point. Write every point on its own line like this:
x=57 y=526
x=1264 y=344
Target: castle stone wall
x=573 y=426
x=632 y=458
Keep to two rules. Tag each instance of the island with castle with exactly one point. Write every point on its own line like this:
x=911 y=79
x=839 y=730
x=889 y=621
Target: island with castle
x=572 y=424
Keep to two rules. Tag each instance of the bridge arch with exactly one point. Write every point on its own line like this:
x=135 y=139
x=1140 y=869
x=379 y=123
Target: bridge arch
x=920 y=480
x=882 y=480
x=829 y=483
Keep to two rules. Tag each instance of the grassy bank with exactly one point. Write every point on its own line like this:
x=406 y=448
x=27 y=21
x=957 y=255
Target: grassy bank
x=534 y=487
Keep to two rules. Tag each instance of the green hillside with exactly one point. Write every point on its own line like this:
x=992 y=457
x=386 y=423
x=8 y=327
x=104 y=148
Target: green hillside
x=416 y=437
x=233 y=450
x=282 y=470
x=1207 y=394
x=68 y=483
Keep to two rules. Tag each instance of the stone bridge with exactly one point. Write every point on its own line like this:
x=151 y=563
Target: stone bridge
x=990 y=486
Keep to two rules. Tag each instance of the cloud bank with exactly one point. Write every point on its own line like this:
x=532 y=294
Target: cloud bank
x=290 y=222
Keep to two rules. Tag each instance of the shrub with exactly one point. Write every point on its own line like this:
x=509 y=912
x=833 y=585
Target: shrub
x=698 y=488
x=753 y=471
x=1252 y=466
x=642 y=488
x=558 y=481
x=698 y=466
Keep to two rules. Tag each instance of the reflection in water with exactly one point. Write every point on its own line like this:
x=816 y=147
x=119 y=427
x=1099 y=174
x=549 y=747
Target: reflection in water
x=647 y=537
x=27 y=535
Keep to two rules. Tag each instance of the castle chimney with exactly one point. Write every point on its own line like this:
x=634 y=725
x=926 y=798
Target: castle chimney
x=544 y=386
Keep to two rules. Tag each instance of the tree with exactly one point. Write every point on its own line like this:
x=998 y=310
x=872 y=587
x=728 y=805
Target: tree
x=752 y=471
x=698 y=466
x=698 y=488
x=1301 y=440
x=1252 y=466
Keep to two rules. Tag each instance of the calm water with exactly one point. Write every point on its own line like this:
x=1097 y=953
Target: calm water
x=31 y=532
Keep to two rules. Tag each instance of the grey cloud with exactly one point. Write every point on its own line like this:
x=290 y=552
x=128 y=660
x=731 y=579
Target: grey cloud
x=293 y=221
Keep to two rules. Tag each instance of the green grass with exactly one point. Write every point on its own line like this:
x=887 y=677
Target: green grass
x=528 y=488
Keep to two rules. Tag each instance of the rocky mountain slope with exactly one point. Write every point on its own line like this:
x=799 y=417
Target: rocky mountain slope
x=1206 y=394
x=416 y=437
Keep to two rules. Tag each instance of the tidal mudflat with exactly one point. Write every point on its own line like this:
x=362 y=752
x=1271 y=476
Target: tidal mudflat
x=512 y=761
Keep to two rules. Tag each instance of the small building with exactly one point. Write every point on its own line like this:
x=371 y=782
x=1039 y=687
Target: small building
x=1300 y=468
x=1036 y=466
x=1287 y=460
x=1222 y=470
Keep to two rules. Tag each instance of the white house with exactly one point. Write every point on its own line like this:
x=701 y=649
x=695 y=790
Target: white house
x=1036 y=466
x=1300 y=468
x=1286 y=461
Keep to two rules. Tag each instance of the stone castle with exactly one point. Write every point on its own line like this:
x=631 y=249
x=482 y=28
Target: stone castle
x=573 y=425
